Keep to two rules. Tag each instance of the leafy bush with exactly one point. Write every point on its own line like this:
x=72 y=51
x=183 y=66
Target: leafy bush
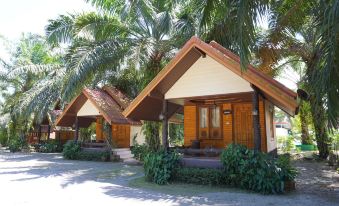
x=140 y=151
x=255 y=170
x=288 y=172
x=3 y=137
x=49 y=147
x=159 y=166
x=94 y=156
x=232 y=159
x=71 y=150
x=202 y=176
x=16 y=144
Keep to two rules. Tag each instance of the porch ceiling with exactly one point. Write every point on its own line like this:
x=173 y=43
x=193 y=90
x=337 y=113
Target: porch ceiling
x=214 y=99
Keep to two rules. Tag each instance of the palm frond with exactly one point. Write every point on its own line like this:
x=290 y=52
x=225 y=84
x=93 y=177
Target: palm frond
x=98 y=27
x=89 y=58
x=32 y=68
x=60 y=30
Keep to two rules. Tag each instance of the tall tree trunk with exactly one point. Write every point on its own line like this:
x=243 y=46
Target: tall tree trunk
x=319 y=121
x=305 y=135
x=151 y=131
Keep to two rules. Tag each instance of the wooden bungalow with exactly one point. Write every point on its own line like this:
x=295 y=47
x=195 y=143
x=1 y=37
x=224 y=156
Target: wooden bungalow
x=99 y=105
x=221 y=104
x=47 y=130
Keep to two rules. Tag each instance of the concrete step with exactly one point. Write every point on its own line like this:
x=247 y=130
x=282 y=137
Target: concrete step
x=122 y=152
x=125 y=155
x=121 y=149
x=131 y=161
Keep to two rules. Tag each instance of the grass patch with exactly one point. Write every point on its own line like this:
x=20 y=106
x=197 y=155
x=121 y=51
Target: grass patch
x=177 y=188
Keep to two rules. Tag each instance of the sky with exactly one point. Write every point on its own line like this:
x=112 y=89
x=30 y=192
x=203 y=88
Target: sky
x=22 y=16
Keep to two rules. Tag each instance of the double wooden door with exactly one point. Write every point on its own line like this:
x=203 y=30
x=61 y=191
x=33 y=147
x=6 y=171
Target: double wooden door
x=243 y=124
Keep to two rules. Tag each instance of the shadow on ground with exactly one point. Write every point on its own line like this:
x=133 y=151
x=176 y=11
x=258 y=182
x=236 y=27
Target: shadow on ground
x=113 y=179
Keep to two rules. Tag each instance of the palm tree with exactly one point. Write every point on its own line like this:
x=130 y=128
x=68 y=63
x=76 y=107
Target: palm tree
x=30 y=83
x=131 y=36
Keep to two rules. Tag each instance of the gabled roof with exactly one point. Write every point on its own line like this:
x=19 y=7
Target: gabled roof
x=153 y=94
x=109 y=101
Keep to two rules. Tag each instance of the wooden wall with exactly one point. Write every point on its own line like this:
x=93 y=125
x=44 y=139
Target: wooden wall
x=98 y=130
x=64 y=136
x=121 y=135
x=191 y=124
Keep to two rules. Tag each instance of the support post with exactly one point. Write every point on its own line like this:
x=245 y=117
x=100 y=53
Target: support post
x=76 y=132
x=39 y=134
x=256 y=119
x=164 y=125
x=48 y=133
x=59 y=137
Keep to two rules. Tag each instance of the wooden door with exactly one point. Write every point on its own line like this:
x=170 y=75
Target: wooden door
x=121 y=135
x=242 y=124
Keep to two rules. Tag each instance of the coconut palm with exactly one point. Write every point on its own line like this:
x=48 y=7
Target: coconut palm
x=138 y=35
x=30 y=83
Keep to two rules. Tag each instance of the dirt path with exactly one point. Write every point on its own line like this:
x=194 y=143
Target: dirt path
x=47 y=179
x=317 y=178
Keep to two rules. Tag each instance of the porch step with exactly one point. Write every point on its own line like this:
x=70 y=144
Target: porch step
x=125 y=155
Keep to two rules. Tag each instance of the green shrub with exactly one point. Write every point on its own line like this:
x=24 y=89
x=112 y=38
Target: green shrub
x=255 y=170
x=288 y=172
x=3 y=137
x=140 y=151
x=232 y=158
x=16 y=144
x=94 y=156
x=203 y=176
x=159 y=166
x=48 y=147
x=71 y=150
x=260 y=173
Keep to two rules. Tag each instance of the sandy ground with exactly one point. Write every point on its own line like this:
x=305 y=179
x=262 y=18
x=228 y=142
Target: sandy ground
x=46 y=179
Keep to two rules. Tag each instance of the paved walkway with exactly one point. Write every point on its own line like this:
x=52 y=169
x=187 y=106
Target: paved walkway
x=46 y=179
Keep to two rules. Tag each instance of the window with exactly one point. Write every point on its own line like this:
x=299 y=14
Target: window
x=203 y=117
x=215 y=116
x=209 y=122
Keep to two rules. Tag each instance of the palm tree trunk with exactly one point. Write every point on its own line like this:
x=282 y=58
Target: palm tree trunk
x=305 y=135
x=319 y=121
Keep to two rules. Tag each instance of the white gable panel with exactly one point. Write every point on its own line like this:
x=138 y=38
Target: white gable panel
x=88 y=109
x=207 y=77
